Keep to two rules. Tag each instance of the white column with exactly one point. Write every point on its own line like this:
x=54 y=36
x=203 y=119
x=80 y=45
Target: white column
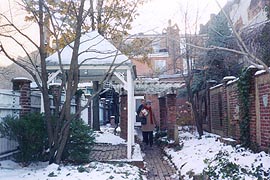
x=133 y=117
x=84 y=113
x=130 y=128
x=41 y=104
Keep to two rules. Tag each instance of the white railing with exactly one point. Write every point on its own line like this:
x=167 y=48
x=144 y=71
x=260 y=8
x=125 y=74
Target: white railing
x=10 y=105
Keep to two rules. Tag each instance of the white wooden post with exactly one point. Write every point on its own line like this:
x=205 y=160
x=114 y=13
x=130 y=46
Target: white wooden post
x=130 y=128
x=41 y=104
x=133 y=117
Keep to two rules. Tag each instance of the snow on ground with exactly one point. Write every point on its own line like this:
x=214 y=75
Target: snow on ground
x=93 y=171
x=10 y=170
x=137 y=153
x=106 y=136
x=195 y=151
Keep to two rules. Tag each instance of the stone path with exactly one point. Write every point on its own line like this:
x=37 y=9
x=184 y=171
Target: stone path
x=157 y=167
x=107 y=152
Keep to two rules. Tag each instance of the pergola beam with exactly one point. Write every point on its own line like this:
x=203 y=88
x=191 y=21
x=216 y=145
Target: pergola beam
x=122 y=79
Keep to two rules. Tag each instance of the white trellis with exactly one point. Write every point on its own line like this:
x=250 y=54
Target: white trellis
x=98 y=57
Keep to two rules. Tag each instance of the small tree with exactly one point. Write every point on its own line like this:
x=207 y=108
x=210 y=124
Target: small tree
x=63 y=21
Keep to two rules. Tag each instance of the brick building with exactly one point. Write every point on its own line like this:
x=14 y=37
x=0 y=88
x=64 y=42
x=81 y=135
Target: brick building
x=165 y=54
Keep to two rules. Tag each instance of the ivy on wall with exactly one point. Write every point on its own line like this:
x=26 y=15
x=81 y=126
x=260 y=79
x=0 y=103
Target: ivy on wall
x=244 y=87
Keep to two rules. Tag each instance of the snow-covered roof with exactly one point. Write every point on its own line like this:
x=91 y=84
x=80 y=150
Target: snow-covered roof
x=94 y=50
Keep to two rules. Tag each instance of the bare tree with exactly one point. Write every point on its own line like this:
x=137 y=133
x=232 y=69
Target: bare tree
x=63 y=21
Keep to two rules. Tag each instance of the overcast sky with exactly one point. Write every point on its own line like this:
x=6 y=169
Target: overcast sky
x=153 y=18
x=154 y=14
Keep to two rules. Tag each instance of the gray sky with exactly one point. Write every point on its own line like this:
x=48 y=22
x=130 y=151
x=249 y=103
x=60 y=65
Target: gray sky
x=154 y=15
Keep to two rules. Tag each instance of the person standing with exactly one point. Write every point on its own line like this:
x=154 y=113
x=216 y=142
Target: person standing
x=149 y=125
x=140 y=107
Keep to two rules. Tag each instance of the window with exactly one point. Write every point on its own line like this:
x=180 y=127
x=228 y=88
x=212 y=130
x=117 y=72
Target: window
x=160 y=65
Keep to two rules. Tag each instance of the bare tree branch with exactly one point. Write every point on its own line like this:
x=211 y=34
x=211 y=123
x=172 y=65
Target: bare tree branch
x=241 y=43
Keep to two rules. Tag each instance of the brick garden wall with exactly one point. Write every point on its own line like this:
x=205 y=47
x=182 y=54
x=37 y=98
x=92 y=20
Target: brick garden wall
x=263 y=107
x=233 y=111
x=225 y=110
x=216 y=113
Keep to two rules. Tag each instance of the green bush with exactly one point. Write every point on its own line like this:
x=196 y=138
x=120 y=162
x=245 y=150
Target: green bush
x=30 y=133
x=221 y=167
x=80 y=143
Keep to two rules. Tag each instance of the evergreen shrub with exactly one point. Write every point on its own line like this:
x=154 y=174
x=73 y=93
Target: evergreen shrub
x=30 y=133
x=80 y=142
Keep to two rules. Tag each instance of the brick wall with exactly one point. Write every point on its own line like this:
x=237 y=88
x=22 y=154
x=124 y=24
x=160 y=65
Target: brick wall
x=144 y=69
x=253 y=113
x=171 y=114
x=233 y=110
x=225 y=111
x=263 y=106
x=216 y=110
x=168 y=111
x=163 y=113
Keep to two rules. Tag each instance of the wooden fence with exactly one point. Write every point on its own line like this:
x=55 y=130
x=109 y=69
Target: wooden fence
x=10 y=104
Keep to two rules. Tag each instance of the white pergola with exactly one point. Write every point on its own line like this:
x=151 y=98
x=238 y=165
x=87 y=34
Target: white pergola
x=97 y=57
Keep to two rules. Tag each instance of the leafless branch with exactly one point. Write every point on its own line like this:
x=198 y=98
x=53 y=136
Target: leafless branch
x=241 y=43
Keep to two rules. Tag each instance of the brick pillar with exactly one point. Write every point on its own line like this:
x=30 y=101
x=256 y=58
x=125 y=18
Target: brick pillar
x=163 y=113
x=171 y=114
x=225 y=119
x=22 y=85
x=123 y=115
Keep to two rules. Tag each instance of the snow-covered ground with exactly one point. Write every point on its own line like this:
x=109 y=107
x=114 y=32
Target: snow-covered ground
x=191 y=159
x=106 y=136
x=195 y=152
x=10 y=170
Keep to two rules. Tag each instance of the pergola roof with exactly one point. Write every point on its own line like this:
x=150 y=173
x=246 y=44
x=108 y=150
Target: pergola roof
x=96 y=56
x=94 y=50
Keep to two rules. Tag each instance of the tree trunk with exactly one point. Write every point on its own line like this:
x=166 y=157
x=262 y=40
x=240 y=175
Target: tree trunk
x=198 y=120
x=72 y=85
x=92 y=15
x=44 y=90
